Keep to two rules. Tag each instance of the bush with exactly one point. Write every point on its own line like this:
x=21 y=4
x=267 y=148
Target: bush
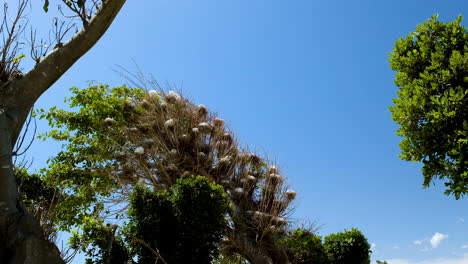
x=306 y=247
x=347 y=247
x=184 y=224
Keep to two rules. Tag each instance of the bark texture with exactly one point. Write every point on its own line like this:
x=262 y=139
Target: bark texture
x=21 y=236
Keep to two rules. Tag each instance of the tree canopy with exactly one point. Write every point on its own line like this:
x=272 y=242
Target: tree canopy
x=119 y=138
x=431 y=109
x=140 y=150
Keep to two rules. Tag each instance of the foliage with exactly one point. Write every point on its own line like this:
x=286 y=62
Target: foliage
x=381 y=262
x=82 y=168
x=347 y=247
x=40 y=198
x=120 y=138
x=182 y=225
x=230 y=259
x=306 y=247
x=101 y=243
x=431 y=67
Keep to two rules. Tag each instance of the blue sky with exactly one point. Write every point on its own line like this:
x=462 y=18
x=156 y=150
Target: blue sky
x=306 y=83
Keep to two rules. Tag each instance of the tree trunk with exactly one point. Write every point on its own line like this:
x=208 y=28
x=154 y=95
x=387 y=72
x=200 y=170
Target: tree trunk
x=21 y=238
x=256 y=254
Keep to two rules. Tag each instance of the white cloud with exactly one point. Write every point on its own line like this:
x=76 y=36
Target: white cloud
x=372 y=246
x=464 y=246
x=437 y=238
x=461 y=220
x=417 y=242
x=396 y=247
x=460 y=260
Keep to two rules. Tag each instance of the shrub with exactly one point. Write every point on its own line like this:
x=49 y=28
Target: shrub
x=348 y=247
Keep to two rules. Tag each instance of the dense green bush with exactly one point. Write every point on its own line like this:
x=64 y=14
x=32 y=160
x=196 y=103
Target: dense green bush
x=347 y=247
x=306 y=247
x=184 y=224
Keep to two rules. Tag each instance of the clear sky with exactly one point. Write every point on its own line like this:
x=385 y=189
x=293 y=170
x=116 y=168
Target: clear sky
x=307 y=83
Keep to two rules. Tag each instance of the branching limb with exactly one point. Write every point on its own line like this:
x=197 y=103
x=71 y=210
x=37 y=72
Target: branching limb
x=54 y=65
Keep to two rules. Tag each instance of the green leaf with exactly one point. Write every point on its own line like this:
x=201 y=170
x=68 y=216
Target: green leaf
x=46 y=6
x=17 y=59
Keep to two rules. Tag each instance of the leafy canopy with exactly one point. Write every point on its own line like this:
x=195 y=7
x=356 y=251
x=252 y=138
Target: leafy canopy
x=186 y=223
x=116 y=139
x=346 y=247
x=431 y=67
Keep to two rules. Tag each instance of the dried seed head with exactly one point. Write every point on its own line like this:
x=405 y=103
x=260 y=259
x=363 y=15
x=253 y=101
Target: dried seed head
x=225 y=182
x=169 y=123
x=202 y=111
x=184 y=139
x=239 y=190
x=218 y=122
x=290 y=195
x=204 y=127
x=153 y=93
x=173 y=97
x=133 y=129
x=227 y=137
x=148 y=141
x=129 y=102
x=163 y=106
x=279 y=220
x=145 y=104
x=174 y=151
x=108 y=121
x=195 y=130
x=272 y=169
x=275 y=178
x=254 y=158
x=139 y=150
x=258 y=214
x=224 y=160
x=171 y=168
x=250 y=158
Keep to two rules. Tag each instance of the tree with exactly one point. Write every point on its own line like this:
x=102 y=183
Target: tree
x=350 y=246
x=306 y=247
x=431 y=67
x=185 y=224
x=22 y=240
x=120 y=138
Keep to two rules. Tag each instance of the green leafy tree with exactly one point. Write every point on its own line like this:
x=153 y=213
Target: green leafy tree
x=21 y=236
x=346 y=247
x=182 y=225
x=101 y=243
x=431 y=67
x=306 y=247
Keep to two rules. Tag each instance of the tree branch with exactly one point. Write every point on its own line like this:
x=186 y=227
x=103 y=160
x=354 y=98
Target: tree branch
x=29 y=88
